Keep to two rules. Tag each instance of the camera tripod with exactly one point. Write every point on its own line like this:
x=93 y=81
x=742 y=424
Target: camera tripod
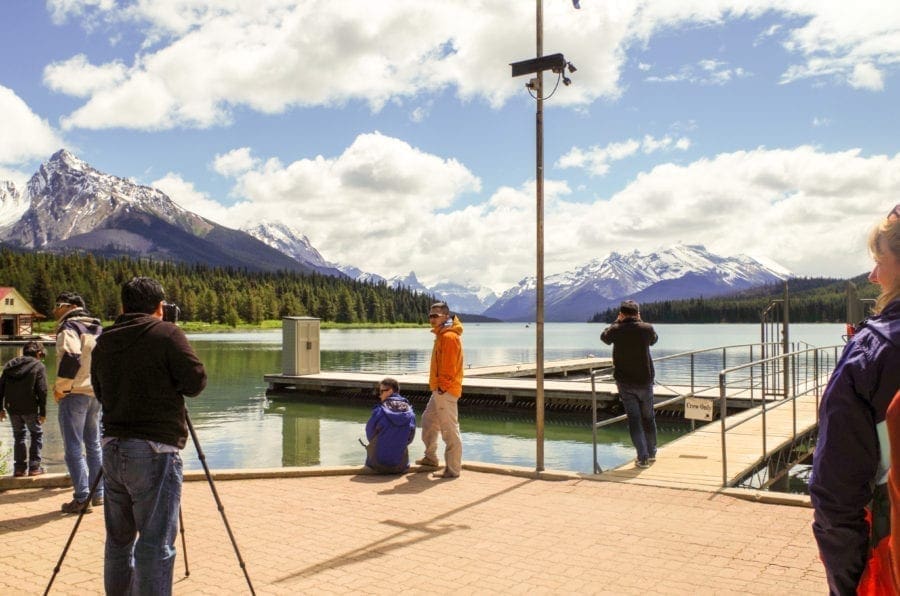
x=215 y=493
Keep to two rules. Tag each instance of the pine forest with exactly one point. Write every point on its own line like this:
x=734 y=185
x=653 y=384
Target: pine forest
x=208 y=294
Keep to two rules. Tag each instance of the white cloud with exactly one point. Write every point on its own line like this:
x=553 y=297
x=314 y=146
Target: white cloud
x=821 y=121
x=706 y=72
x=782 y=204
x=24 y=136
x=203 y=58
x=596 y=159
x=381 y=192
x=187 y=197
x=866 y=76
x=77 y=77
x=235 y=162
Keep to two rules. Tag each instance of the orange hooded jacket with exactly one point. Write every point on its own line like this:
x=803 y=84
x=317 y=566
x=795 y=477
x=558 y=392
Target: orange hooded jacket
x=447 y=358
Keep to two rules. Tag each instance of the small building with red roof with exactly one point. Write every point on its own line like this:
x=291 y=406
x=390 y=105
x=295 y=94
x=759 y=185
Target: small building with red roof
x=16 y=315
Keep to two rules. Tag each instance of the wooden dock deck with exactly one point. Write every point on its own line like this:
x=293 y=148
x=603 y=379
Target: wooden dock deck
x=694 y=461
x=509 y=383
x=551 y=368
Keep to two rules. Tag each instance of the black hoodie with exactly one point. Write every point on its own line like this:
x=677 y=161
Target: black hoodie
x=23 y=386
x=141 y=369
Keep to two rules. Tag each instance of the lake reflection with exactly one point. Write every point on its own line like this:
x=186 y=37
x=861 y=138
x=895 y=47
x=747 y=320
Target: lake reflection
x=238 y=427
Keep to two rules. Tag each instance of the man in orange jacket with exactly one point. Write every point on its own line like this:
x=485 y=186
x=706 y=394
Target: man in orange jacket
x=441 y=415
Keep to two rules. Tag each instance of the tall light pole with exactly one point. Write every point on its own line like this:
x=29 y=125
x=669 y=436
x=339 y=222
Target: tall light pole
x=539 y=267
x=556 y=63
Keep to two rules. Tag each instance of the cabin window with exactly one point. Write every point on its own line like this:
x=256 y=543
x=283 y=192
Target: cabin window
x=9 y=301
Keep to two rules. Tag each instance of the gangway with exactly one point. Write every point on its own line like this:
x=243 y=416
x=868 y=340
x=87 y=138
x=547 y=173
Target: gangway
x=747 y=446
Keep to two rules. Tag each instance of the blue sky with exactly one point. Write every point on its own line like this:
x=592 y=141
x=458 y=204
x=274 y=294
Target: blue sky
x=393 y=136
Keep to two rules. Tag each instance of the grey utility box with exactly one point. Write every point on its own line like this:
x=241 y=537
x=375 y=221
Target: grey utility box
x=299 y=346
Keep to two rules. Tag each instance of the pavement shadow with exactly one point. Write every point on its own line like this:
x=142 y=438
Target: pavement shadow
x=28 y=523
x=30 y=495
x=406 y=535
x=415 y=483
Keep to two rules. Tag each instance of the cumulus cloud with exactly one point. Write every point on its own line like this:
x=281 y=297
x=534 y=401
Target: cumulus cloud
x=77 y=77
x=24 y=136
x=235 y=162
x=201 y=59
x=778 y=203
x=381 y=192
x=188 y=197
x=596 y=159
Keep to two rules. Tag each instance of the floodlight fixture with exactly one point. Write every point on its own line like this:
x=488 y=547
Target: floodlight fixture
x=554 y=62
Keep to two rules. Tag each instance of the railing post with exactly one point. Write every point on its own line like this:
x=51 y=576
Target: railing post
x=692 y=373
x=594 y=418
x=723 y=409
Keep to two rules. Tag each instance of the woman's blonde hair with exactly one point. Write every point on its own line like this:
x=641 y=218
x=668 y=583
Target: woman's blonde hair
x=889 y=231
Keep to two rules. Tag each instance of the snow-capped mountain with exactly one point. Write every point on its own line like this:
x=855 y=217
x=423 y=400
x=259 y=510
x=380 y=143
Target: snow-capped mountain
x=12 y=204
x=683 y=271
x=471 y=300
x=360 y=275
x=289 y=241
x=74 y=206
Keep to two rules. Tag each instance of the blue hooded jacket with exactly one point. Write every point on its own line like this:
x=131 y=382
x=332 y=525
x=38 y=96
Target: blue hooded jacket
x=849 y=461
x=390 y=429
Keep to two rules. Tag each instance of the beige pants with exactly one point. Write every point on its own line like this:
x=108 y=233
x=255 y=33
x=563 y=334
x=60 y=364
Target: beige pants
x=441 y=416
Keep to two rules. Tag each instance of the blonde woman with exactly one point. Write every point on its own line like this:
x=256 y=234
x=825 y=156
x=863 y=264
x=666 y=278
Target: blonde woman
x=852 y=458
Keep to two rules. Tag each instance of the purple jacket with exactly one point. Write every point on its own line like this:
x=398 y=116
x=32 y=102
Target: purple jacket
x=848 y=461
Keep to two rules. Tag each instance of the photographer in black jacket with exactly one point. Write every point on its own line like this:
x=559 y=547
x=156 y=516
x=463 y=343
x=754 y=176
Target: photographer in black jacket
x=631 y=339
x=141 y=370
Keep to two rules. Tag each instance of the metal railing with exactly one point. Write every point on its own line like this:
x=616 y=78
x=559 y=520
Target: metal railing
x=687 y=374
x=715 y=373
x=809 y=370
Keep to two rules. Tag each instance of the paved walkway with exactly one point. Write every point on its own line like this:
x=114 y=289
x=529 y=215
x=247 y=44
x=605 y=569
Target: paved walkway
x=340 y=532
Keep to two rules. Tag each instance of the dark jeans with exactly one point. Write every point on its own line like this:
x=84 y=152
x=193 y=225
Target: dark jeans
x=638 y=402
x=143 y=497
x=21 y=422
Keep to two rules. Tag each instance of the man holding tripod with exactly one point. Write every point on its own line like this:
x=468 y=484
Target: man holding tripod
x=141 y=370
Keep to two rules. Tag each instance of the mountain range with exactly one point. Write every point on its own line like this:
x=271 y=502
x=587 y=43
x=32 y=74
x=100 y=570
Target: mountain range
x=69 y=205
x=682 y=271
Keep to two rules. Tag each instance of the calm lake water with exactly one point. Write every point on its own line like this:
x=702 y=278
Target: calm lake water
x=238 y=427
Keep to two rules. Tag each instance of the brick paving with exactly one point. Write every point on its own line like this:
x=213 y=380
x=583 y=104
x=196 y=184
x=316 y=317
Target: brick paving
x=340 y=532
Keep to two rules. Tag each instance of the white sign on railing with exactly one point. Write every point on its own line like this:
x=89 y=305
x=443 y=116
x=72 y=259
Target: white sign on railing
x=698 y=408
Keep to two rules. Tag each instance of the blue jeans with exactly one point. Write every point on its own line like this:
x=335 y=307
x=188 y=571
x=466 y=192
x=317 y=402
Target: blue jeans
x=79 y=421
x=143 y=498
x=20 y=422
x=638 y=402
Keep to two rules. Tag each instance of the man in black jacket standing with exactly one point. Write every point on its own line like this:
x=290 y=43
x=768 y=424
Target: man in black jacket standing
x=631 y=339
x=141 y=370
x=23 y=393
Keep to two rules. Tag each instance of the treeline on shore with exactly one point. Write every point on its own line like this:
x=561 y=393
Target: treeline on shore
x=812 y=300
x=209 y=294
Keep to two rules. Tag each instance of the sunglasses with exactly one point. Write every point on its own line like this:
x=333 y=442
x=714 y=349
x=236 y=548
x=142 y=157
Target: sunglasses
x=62 y=304
x=383 y=389
x=434 y=316
x=895 y=213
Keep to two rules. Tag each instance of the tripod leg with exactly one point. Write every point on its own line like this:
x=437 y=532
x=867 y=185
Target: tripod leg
x=75 y=529
x=187 y=572
x=215 y=493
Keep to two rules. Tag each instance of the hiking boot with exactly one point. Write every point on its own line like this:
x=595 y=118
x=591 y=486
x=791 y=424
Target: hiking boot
x=97 y=501
x=19 y=473
x=425 y=461
x=652 y=459
x=36 y=471
x=641 y=463
x=75 y=506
